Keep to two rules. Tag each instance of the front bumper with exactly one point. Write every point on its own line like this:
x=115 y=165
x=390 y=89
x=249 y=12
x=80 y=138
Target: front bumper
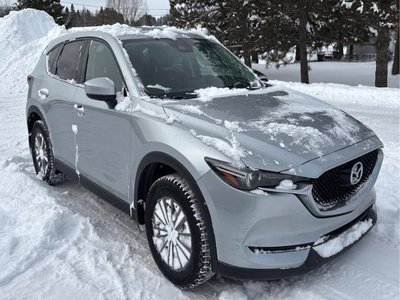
x=314 y=259
x=244 y=221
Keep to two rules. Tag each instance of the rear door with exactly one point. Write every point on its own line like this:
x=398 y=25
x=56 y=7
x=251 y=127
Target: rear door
x=58 y=90
x=103 y=134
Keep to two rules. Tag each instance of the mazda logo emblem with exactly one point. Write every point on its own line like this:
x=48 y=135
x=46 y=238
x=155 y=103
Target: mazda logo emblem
x=356 y=173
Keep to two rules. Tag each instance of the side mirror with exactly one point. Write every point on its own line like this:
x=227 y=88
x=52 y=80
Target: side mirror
x=102 y=89
x=261 y=76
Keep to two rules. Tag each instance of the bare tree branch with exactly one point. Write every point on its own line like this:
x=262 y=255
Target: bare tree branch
x=132 y=10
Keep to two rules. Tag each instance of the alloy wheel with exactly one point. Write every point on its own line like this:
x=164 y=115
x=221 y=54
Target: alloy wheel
x=41 y=154
x=171 y=233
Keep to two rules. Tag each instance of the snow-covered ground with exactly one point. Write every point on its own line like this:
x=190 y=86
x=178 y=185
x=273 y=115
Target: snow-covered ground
x=65 y=243
x=357 y=73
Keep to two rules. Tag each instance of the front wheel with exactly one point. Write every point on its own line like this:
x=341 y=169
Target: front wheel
x=177 y=232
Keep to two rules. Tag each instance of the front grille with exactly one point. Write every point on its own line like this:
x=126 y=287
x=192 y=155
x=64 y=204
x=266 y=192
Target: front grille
x=333 y=187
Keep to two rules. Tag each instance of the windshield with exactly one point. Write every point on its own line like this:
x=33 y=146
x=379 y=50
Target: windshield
x=176 y=68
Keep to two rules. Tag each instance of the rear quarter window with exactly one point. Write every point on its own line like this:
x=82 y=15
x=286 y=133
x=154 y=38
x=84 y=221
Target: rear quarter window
x=51 y=59
x=68 y=62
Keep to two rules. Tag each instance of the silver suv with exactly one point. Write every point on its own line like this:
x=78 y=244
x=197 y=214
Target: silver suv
x=228 y=174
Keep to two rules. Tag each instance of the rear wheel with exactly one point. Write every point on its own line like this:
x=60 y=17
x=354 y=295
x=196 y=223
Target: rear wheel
x=177 y=232
x=42 y=154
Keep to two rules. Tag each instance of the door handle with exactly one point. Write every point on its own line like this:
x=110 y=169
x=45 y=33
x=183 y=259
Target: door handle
x=43 y=93
x=79 y=108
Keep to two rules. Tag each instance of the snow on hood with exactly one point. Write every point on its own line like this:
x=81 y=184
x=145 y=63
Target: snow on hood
x=276 y=126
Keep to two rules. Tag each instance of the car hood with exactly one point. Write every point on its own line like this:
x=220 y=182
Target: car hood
x=274 y=129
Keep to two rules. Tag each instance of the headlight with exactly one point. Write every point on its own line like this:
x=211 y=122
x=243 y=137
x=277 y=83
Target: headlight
x=248 y=179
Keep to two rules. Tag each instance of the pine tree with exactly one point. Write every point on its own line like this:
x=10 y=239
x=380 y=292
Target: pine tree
x=299 y=24
x=251 y=27
x=246 y=27
x=111 y=16
x=71 y=16
x=78 y=19
x=343 y=26
x=380 y=18
x=145 y=20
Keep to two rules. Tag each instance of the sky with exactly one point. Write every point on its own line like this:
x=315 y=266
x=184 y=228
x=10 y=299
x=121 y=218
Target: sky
x=156 y=8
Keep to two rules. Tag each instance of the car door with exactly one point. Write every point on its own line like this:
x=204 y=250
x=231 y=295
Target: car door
x=58 y=91
x=103 y=134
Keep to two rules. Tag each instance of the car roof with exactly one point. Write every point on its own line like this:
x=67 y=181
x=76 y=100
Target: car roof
x=125 y=32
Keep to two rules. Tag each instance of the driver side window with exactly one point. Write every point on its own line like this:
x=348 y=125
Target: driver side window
x=101 y=63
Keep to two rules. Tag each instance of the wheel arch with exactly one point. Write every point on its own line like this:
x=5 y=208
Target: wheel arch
x=146 y=176
x=149 y=170
x=34 y=114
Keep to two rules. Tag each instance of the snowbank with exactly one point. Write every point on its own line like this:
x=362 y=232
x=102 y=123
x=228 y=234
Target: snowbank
x=20 y=28
x=345 y=94
x=23 y=37
x=354 y=74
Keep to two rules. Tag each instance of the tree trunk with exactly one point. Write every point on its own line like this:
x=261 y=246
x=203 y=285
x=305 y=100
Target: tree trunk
x=254 y=57
x=303 y=47
x=351 y=52
x=382 y=57
x=247 y=57
x=341 y=52
x=297 y=53
x=396 y=62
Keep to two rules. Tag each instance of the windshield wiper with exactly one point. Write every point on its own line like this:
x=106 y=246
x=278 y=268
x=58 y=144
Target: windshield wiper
x=243 y=85
x=173 y=95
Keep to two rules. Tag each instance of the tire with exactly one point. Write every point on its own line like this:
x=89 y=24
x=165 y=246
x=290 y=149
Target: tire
x=197 y=268
x=42 y=154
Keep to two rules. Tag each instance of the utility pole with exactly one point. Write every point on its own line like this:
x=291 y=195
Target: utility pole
x=84 y=15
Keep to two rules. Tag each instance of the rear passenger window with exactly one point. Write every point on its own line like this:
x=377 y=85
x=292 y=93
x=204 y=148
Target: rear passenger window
x=101 y=63
x=67 y=65
x=51 y=58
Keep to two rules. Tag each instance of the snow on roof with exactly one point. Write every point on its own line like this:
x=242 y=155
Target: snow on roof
x=123 y=31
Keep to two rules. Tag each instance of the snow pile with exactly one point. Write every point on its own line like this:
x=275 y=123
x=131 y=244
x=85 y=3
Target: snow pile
x=20 y=28
x=344 y=94
x=343 y=240
x=24 y=35
x=345 y=73
x=47 y=251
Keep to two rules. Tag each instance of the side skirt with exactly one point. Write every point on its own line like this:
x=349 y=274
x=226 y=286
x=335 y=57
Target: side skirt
x=96 y=189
